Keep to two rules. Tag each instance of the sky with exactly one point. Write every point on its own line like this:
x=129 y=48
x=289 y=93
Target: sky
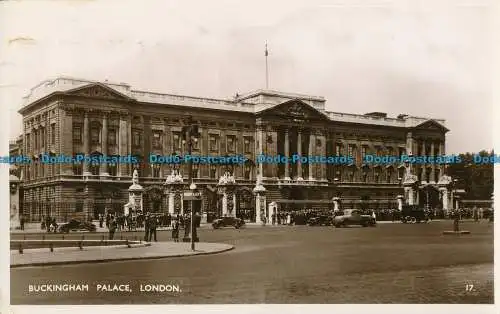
x=423 y=58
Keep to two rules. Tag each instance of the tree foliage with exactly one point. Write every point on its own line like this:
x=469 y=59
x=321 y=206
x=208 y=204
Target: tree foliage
x=475 y=178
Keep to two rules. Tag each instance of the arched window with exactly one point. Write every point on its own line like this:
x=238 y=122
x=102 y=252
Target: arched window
x=112 y=167
x=196 y=170
x=95 y=133
x=77 y=166
x=213 y=171
x=95 y=166
x=389 y=172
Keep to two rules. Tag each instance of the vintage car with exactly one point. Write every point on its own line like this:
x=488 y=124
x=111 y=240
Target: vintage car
x=353 y=217
x=413 y=214
x=321 y=220
x=228 y=222
x=76 y=225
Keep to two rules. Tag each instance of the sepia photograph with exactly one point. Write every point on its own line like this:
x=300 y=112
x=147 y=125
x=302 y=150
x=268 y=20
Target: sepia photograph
x=249 y=152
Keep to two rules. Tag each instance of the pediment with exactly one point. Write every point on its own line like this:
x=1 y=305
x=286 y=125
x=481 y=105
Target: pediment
x=431 y=125
x=295 y=110
x=97 y=90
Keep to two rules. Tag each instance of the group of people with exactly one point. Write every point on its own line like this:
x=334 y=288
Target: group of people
x=48 y=224
x=151 y=222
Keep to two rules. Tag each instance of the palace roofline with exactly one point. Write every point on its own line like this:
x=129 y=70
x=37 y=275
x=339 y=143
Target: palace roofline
x=251 y=102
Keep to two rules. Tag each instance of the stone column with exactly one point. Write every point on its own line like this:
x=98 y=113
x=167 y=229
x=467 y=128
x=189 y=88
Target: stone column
x=312 y=143
x=433 y=165
x=322 y=166
x=122 y=144
x=86 y=144
x=224 y=203
x=441 y=152
x=299 y=152
x=287 y=154
x=104 y=166
x=260 y=148
x=336 y=204
x=411 y=196
x=400 y=202
x=171 y=201
x=444 y=192
x=409 y=151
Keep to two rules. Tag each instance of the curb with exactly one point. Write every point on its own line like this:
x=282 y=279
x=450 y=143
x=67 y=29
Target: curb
x=120 y=259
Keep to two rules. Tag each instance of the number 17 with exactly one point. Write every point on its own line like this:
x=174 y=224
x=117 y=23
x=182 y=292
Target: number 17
x=469 y=287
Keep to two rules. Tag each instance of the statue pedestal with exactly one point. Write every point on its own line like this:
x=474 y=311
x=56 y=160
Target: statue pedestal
x=260 y=203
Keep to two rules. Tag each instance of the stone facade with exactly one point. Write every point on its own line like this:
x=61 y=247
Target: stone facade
x=69 y=116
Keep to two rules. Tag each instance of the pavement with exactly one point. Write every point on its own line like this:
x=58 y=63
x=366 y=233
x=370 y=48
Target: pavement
x=392 y=263
x=98 y=254
x=35 y=228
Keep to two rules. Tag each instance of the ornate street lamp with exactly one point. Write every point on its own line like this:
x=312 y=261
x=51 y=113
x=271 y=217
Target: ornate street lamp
x=190 y=135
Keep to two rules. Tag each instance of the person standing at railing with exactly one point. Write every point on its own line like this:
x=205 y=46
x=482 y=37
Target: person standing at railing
x=153 y=222
x=112 y=227
x=147 y=222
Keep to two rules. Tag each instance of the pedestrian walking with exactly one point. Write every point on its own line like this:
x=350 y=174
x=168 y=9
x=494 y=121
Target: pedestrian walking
x=101 y=220
x=48 y=221
x=146 y=227
x=175 y=230
x=112 y=227
x=153 y=223
x=22 y=222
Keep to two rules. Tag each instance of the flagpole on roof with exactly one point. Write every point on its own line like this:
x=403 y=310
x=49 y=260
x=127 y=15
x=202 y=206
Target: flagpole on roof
x=266 y=53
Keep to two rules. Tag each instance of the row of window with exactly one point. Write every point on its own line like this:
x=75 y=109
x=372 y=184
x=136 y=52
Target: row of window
x=157 y=139
x=214 y=171
x=352 y=150
x=38 y=139
x=378 y=176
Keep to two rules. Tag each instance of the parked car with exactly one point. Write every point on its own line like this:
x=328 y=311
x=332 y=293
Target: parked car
x=76 y=225
x=321 y=220
x=228 y=222
x=353 y=217
x=413 y=214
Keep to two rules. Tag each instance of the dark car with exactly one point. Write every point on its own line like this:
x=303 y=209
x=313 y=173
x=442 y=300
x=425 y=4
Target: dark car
x=228 y=222
x=413 y=214
x=321 y=220
x=351 y=217
x=76 y=225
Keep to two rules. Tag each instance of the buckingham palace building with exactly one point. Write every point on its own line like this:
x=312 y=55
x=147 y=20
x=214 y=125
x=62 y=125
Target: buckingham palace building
x=67 y=116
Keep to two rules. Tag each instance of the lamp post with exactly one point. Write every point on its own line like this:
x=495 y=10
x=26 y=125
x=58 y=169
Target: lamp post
x=190 y=133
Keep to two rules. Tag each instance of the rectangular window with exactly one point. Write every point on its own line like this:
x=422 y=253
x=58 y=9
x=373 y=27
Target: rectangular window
x=247 y=143
x=157 y=140
x=112 y=137
x=402 y=151
x=247 y=172
x=213 y=142
x=389 y=175
x=231 y=143
x=36 y=139
x=156 y=170
x=364 y=151
x=42 y=140
x=136 y=138
x=176 y=144
x=338 y=149
x=213 y=171
x=196 y=143
x=79 y=206
x=28 y=143
x=77 y=134
x=350 y=151
x=196 y=168
x=52 y=134
x=94 y=135
x=77 y=167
